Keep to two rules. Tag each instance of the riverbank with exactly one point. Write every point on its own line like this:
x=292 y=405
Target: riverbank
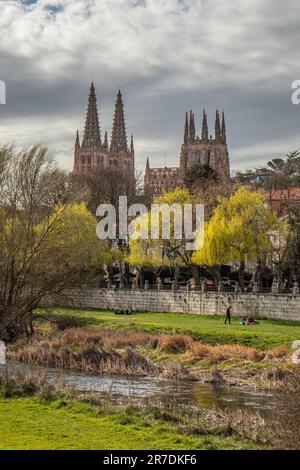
x=185 y=347
x=207 y=329
x=36 y=415
x=131 y=345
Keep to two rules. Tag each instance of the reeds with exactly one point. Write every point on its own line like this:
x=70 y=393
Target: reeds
x=87 y=350
x=125 y=351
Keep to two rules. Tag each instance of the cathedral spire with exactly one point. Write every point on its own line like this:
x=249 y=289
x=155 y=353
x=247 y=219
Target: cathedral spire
x=192 y=126
x=223 y=130
x=77 y=141
x=204 y=133
x=105 y=143
x=131 y=145
x=92 y=135
x=118 y=137
x=217 y=127
x=186 y=130
x=147 y=166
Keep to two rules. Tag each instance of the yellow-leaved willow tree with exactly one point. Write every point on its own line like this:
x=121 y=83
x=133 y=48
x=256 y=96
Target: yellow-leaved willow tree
x=69 y=240
x=241 y=229
x=156 y=253
x=61 y=251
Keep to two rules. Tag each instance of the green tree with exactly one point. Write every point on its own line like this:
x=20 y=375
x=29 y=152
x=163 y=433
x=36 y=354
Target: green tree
x=239 y=230
x=47 y=241
x=156 y=253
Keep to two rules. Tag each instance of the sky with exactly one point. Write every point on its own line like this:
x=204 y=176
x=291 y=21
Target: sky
x=166 y=56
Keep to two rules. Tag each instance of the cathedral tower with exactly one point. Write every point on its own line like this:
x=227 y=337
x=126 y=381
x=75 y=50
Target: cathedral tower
x=203 y=150
x=92 y=153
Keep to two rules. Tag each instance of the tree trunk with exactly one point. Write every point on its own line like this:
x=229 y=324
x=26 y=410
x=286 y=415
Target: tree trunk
x=110 y=275
x=241 y=274
x=258 y=274
x=215 y=272
x=127 y=276
x=176 y=275
x=142 y=278
x=195 y=272
x=31 y=329
x=279 y=277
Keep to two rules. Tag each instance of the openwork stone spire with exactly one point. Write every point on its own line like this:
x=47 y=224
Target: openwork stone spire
x=131 y=145
x=147 y=165
x=192 y=127
x=217 y=127
x=77 y=141
x=118 y=141
x=223 y=128
x=204 y=133
x=186 y=130
x=105 y=143
x=92 y=135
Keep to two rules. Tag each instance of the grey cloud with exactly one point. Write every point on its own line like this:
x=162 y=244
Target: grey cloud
x=240 y=57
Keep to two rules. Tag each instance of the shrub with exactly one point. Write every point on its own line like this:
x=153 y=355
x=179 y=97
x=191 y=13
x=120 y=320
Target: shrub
x=66 y=322
x=20 y=386
x=277 y=353
x=175 y=343
x=224 y=352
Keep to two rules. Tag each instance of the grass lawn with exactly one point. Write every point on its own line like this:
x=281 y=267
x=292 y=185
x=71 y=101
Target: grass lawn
x=208 y=329
x=29 y=424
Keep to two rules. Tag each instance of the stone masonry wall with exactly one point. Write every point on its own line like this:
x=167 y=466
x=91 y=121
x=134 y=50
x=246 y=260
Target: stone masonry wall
x=277 y=306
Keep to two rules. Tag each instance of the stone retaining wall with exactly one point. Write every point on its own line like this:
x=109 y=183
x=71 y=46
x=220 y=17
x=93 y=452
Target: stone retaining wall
x=277 y=306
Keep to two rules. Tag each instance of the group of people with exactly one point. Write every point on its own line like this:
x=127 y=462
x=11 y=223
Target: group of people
x=128 y=311
x=248 y=321
x=244 y=321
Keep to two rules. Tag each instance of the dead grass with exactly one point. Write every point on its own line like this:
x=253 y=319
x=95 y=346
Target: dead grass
x=175 y=344
x=224 y=352
x=86 y=350
x=126 y=352
x=33 y=384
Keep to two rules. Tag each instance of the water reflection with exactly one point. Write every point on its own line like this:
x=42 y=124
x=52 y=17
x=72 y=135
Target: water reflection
x=166 y=390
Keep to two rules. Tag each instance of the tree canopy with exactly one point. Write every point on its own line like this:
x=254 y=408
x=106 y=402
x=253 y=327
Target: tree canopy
x=47 y=239
x=240 y=230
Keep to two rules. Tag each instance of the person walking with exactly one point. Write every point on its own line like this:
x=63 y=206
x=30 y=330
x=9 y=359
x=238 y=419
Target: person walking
x=228 y=315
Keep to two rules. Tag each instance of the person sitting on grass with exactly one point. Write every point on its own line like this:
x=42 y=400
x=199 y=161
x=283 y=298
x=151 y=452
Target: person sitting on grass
x=120 y=312
x=248 y=321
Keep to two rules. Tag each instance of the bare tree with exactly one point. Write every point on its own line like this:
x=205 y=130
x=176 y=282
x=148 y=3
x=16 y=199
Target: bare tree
x=37 y=259
x=105 y=186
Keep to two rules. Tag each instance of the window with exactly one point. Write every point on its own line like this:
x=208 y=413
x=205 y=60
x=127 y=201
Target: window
x=198 y=156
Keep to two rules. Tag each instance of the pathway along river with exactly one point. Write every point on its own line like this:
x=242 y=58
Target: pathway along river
x=181 y=392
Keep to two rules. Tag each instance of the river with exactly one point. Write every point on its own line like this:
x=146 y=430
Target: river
x=181 y=392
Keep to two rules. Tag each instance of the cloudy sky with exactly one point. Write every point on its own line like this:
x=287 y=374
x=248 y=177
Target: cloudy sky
x=166 y=56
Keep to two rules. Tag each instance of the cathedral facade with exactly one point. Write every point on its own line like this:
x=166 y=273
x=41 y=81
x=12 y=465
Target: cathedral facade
x=204 y=150
x=93 y=152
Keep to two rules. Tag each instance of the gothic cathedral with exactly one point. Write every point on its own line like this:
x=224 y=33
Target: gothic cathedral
x=93 y=152
x=194 y=150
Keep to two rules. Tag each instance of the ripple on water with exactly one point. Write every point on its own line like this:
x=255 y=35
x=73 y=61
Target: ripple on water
x=181 y=392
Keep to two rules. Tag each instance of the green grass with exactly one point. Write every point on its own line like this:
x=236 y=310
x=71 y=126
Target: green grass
x=28 y=424
x=208 y=329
